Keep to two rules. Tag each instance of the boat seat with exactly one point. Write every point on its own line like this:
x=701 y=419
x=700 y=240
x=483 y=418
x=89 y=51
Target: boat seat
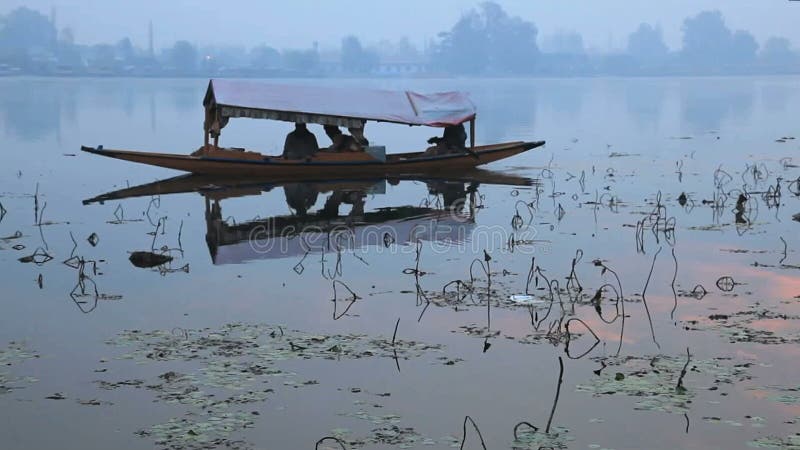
x=210 y=151
x=377 y=151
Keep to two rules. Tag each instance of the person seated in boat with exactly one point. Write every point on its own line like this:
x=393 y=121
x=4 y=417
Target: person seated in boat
x=300 y=143
x=341 y=142
x=453 y=140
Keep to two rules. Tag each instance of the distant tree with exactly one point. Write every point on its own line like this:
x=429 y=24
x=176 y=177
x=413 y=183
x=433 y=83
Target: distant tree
x=708 y=42
x=743 y=48
x=514 y=49
x=488 y=39
x=565 y=43
x=646 y=45
x=706 y=39
x=183 y=56
x=125 y=50
x=68 y=54
x=778 y=51
x=103 y=56
x=303 y=61
x=24 y=30
x=355 y=58
x=265 y=57
x=232 y=56
x=465 y=48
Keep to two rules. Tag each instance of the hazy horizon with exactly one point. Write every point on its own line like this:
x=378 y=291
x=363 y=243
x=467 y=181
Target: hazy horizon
x=250 y=22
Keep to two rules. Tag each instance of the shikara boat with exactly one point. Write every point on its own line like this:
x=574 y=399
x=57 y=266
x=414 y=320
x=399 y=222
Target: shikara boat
x=340 y=107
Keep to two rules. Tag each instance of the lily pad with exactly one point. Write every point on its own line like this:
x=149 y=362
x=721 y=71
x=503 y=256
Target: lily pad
x=653 y=381
x=233 y=363
x=13 y=354
x=530 y=439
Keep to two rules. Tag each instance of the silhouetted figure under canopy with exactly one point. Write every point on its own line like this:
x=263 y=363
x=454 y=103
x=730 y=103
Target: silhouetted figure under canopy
x=341 y=142
x=300 y=143
x=453 y=140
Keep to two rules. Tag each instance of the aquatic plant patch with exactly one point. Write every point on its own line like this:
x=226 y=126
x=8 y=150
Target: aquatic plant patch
x=656 y=382
x=264 y=343
x=232 y=364
x=787 y=395
x=743 y=326
x=206 y=433
x=534 y=439
x=14 y=354
x=787 y=443
x=387 y=431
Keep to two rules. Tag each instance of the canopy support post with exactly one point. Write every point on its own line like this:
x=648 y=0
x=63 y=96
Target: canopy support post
x=205 y=139
x=216 y=141
x=472 y=134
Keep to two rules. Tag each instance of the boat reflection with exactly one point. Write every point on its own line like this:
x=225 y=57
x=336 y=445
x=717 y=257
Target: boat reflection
x=447 y=216
x=328 y=230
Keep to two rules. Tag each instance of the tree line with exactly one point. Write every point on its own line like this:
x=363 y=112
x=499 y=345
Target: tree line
x=485 y=41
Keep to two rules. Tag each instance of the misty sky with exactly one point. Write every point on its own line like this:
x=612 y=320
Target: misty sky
x=297 y=23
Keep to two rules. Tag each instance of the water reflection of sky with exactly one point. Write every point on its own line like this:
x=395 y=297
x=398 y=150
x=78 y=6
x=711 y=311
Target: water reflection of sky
x=622 y=137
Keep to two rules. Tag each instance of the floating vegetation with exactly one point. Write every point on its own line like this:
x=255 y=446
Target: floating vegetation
x=754 y=421
x=13 y=354
x=238 y=358
x=206 y=433
x=476 y=330
x=267 y=343
x=658 y=382
x=787 y=395
x=788 y=443
x=387 y=432
x=743 y=326
x=530 y=438
x=93 y=402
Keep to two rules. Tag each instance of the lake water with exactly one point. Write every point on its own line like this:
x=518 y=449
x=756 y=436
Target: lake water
x=683 y=190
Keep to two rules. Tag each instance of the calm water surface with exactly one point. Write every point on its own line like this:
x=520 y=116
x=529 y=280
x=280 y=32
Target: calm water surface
x=694 y=178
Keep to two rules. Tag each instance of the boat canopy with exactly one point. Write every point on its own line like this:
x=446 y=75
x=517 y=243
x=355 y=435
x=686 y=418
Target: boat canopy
x=345 y=107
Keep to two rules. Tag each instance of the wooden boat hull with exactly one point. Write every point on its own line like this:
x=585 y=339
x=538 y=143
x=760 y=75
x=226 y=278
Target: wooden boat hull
x=408 y=163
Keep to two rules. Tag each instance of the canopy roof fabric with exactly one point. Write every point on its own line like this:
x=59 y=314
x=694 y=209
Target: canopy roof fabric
x=348 y=107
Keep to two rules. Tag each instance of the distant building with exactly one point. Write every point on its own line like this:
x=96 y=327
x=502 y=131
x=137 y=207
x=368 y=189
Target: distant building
x=389 y=66
x=330 y=62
